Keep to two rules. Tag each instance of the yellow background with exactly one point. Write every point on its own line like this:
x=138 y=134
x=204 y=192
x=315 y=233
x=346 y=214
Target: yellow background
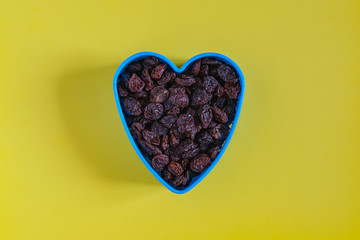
x=67 y=170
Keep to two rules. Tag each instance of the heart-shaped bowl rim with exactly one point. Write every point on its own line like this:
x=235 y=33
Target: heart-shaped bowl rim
x=141 y=55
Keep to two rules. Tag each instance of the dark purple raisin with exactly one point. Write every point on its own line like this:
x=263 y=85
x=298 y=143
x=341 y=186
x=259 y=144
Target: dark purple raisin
x=158 y=94
x=200 y=97
x=165 y=142
x=135 y=84
x=196 y=67
x=158 y=128
x=204 y=140
x=145 y=76
x=232 y=90
x=209 y=84
x=206 y=115
x=158 y=71
x=150 y=62
x=131 y=106
x=175 y=168
x=204 y=71
x=219 y=115
x=185 y=80
x=151 y=137
x=122 y=92
x=168 y=121
x=149 y=149
x=159 y=162
x=135 y=67
x=219 y=132
x=153 y=111
x=227 y=73
x=200 y=163
x=136 y=129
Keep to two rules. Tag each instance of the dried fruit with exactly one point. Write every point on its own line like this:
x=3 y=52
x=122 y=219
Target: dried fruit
x=158 y=71
x=175 y=168
x=135 y=84
x=150 y=62
x=227 y=73
x=206 y=115
x=199 y=97
x=179 y=122
x=209 y=84
x=232 y=89
x=219 y=115
x=158 y=128
x=159 y=162
x=169 y=120
x=149 y=149
x=131 y=106
x=153 y=111
x=200 y=163
x=158 y=94
x=151 y=137
x=196 y=67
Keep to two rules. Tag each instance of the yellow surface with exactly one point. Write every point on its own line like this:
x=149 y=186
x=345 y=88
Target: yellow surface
x=67 y=170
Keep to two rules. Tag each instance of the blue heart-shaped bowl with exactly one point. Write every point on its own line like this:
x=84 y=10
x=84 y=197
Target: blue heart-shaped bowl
x=142 y=55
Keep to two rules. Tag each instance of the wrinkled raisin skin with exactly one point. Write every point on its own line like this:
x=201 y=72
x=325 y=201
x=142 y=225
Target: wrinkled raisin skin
x=159 y=162
x=200 y=163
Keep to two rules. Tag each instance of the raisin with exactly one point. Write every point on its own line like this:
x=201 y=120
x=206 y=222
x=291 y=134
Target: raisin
x=136 y=129
x=185 y=80
x=206 y=115
x=219 y=91
x=158 y=71
x=159 y=162
x=219 y=115
x=167 y=176
x=151 y=137
x=209 y=84
x=219 y=132
x=232 y=89
x=199 y=97
x=204 y=71
x=168 y=121
x=227 y=73
x=149 y=149
x=166 y=78
x=200 y=163
x=214 y=152
x=158 y=128
x=122 y=92
x=131 y=106
x=153 y=111
x=204 y=140
x=196 y=67
x=165 y=142
x=185 y=163
x=158 y=94
x=145 y=76
x=185 y=123
x=188 y=149
x=210 y=61
x=142 y=94
x=150 y=62
x=135 y=84
x=135 y=67
x=175 y=168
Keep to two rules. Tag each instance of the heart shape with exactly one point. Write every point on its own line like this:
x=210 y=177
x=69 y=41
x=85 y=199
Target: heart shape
x=142 y=55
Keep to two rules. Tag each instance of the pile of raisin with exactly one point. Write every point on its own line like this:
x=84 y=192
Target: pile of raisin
x=179 y=122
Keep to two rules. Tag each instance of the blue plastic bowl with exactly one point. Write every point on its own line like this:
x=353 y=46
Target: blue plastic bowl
x=142 y=55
